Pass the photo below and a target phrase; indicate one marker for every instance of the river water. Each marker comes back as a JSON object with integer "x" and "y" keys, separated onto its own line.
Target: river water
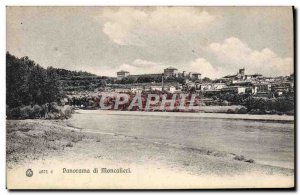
{"x": 267, "y": 142}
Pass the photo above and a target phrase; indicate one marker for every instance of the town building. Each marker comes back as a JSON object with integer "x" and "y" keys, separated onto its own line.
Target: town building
{"x": 122, "y": 90}
{"x": 205, "y": 86}
{"x": 279, "y": 90}
{"x": 253, "y": 76}
{"x": 218, "y": 86}
{"x": 137, "y": 89}
{"x": 242, "y": 76}
{"x": 156, "y": 88}
{"x": 234, "y": 89}
{"x": 171, "y": 89}
{"x": 262, "y": 88}
{"x": 170, "y": 71}
{"x": 122, "y": 74}
{"x": 196, "y": 76}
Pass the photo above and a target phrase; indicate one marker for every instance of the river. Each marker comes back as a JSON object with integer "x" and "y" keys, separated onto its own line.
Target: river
{"x": 267, "y": 142}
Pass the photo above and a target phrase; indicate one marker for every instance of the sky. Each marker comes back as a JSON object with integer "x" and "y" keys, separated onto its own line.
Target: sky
{"x": 213, "y": 41}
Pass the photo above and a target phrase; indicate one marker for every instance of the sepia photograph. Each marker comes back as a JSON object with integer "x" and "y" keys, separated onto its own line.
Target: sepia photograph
{"x": 150, "y": 97}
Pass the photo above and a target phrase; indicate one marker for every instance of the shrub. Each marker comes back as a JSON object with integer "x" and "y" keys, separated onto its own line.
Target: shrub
{"x": 230, "y": 111}
{"x": 239, "y": 158}
{"x": 46, "y": 111}
{"x": 37, "y": 111}
{"x": 280, "y": 104}
{"x": 291, "y": 112}
{"x": 69, "y": 144}
{"x": 50, "y": 116}
{"x": 53, "y": 107}
{"x": 14, "y": 113}
{"x": 68, "y": 111}
{"x": 284, "y": 104}
{"x": 256, "y": 111}
{"x": 242, "y": 111}
{"x": 224, "y": 103}
{"x": 250, "y": 161}
{"x": 26, "y": 112}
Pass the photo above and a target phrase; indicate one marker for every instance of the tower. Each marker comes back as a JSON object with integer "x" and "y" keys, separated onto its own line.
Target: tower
{"x": 162, "y": 82}
{"x": 242, "y": 72}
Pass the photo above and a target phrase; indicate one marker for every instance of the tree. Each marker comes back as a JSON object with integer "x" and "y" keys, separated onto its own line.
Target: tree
{"x": 36, "y": 84}
{"x": 17, "y": 76}
{"x": 206, "y": 80}
{"x": 127, "y": 80}
{"x": 52, "y": 89}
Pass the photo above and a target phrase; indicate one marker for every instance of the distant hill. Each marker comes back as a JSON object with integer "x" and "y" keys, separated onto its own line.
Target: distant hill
{"x": 81, "y": 80}
{"x": 63, "y": 73}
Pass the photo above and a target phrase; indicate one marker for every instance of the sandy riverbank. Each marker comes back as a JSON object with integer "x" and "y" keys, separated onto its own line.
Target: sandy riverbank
{"x": 54, "y": 145}
{"x": 279, "y": 118}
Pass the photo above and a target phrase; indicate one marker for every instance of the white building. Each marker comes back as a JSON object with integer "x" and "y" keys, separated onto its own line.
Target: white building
{"x": 122, "y": 90}
{"x": 196, "y": 75}
{"x": 171, "y": 71}
{"x": 205, "y": 86}
{"x": 262, "y": 88}
{"x": 137, "y": 89}
{"x": 218, "y": 86}
{"x": 172, "y": 89}
{"x": 121, "y": 74}
{"x": 235, "y": 89}
{"x": 156, "y": 88}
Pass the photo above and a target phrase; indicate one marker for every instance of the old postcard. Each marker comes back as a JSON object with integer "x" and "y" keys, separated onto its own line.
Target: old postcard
{"x": 150, "y": 97}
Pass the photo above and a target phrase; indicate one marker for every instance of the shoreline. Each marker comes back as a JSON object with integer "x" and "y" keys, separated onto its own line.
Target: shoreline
{"x": 271, "y": 118}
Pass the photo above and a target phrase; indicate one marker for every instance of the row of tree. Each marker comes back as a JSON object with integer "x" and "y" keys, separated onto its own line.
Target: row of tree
{"x": 282, "y": 104}
{"x": 63, "y": 73}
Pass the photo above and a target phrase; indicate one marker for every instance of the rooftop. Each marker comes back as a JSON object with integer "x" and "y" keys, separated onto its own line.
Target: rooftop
{"x": 124, "y": 71}
{"x": 171, "y": 68}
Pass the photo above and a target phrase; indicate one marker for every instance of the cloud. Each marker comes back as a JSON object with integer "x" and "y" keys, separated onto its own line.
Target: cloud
{"x": 234, "y": 54}
{"x": 145, "y": 63}
{"x": 204, "y": 67}
{"x": 134, "y": 26}
{"x": 121, "y": 24}
{"x": 137, "y": 66}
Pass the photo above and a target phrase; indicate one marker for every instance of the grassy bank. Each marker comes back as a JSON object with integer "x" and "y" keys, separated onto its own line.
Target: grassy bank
{"x": 35, "y": 139}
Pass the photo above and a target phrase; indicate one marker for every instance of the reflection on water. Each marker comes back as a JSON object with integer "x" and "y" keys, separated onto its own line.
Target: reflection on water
{"x": 266, "y": 142}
